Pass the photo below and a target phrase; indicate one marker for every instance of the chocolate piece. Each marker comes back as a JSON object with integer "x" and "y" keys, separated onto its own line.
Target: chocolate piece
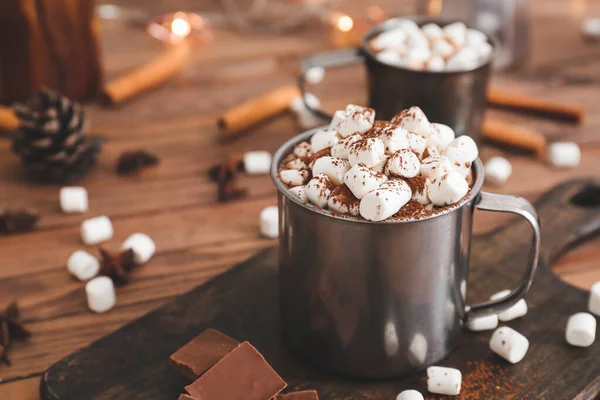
{"x": 202, "y": 352}
{"x": 243, "y": 374}
{"x": 303, "y": 395}
{"x": 186, "y": 397}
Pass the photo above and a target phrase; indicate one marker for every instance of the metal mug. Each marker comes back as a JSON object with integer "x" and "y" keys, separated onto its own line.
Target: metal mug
{"x": 454, "y": 98}
{"x": 382, "y": 299}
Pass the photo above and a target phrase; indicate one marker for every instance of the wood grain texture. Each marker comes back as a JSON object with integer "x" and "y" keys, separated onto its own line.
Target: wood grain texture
{"x": 250, "y": 311}
{"x": 175, "y": 203}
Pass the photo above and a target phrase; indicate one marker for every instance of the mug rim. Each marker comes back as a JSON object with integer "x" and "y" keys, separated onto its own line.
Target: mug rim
{"x": 420, "y": 20}
{"x": 287, "y": 148}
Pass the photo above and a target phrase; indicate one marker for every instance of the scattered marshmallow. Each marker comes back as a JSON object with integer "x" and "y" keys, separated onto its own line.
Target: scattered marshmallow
{"x": 342, "y": 200}
{"x": 353, "y": 119}
{"x": 516, "y": 311}
{"x": 435, "y": 166}
{"x": 257, "y": 162}
{"x": 293, "y": 177}
{"x": 440, "y": 136}
{"x": 509, "y": 344}
{"x": 410, "y": 395}
{"x": 340, "y": 149}
{"x": 403, "y": 163}
{"x": 269, "y": 222}
{"x": 385, "y": 201}
{"x": 564, "y": 154}
{"x": 100, "y": 293}
{"x": 361, "y": 180}
{"x": 334, "y": 168}
{"x": 483, "y": 323}
{"x": 300, "y": 193}
{"x": 581, "y": 330}
{"x": 96, "y": 230}
{"x": 497, "y": 170}
{"x": 315, "y": 75}
{"x": 432, "y": 31}
{"x": 368, "y": 151}
{"x": 83, "y": 265}
{"x": 142, "y": 245}
{"x": 323, "y": 139}
{"x": 394, "y": 138}
{"x": 447, "y": 189}
{"x": 381, "y": 166}
{"x": 417, "y": 143}
{"x": 594, "y": 300}
{"x": 413, "y": 120}
{"x": 74, "y": 199}
{"x": 442, "y": 380}
{"x": 318, "y": 189}
{"x": 456, "y": 33}
{"x": 461, "y": 152}
{"x": 303, "y": 149}
{"x": 590, "y": 27}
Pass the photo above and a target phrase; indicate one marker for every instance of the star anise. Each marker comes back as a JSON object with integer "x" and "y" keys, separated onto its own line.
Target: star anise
{"x": 116, "y": 266}
{"x": 224, "y": 174}
{"x": 130, "y": 162}
{"x": 18, "y": 221}
{"x": 11, "y": 329}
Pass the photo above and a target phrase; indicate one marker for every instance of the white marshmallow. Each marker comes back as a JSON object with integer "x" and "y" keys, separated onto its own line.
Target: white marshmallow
{"x": 594, "y": 299}
{"x": 435, "y": 63}
{"x": 581, "y": 330}
{"x": 340, "y": 149}
{"x": 381, "y": 166}
{"x": 257, "y": 162}
{"x": 447, "y": 189}
{"x": 368, "y": 151}
{"x": 299, "y": 192}
{"x": 516, "y": 311}
{"x": 465, "y": 59}
{"x": 440, "y": 136}
{"x": 410, "y": 395}
{"x": 74, "y": 199}
{"x": 590, "y": 27}
{"x": 318, "y": 189}
{"x": 435, "y": 166}
{"x": 293, "y": 177}
{"x": 100, "y": 293}
{"x": 456, "y": 33}
{"x": 417, "y": 143}
{"x": 361, "y": 180}
{"x": 417, "y": 57}
{"x": 390, "y": 39}
{"x": 342, "y": 200}
{"x": 403, "y": 163}
{"x": 442, "y": 380}
{"x": 269, "y": 222}
{"x": 391, "y": 57}
{"x": 83, "y": 265}
{"x": 334, "y": 168}
{"x": 353, "y": 119}
{"x": 323, "y": 139}
{"x": 509, "y": 344}
{"x": 564, "y": 155}
{"x": 497, "y": 171}
{"x": 483, "y": 323}
{"x": 296, "y": 163}
{"x": 417, "y": 40}
{"x": 315, "y": 75}
{"x": 302, "y": 149}
{"x": 306, "y": 118}
{"x": 394, "y": 138}
{"x": 385, "y": 201}
{"x": 96, "y": 230}
{"x": 413, "y": 120}
{"x": 442, "y": 48}
{"x": 461, "y": 152}
{"x": 432, "y": 31}
{"x": 142, "y": 245}
{"x": 421, "y": 195}
{"x": 475, "y": 37}
{"x": 483, "y": 50}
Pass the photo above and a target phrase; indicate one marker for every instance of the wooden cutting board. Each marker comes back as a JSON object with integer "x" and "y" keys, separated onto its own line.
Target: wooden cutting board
{"x": 132, "y": 363}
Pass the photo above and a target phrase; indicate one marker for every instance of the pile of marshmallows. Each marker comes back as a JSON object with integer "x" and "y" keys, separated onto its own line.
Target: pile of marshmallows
{"x": 431, "y": 47}
{"x": 373, "y": 165}
{"x": 84, "y": 266}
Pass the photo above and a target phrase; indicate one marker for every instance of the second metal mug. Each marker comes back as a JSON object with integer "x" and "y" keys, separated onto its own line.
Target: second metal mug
{"x": 454, "y": 98}
{"x": 382, "y": 299}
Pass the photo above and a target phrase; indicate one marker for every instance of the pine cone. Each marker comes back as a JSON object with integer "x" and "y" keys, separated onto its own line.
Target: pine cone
{"x": 51, "y": 140}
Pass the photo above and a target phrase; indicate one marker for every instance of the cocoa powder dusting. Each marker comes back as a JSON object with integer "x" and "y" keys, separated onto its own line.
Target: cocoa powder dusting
{"x": 309, "y": 160}
{"x": 412, "y": 209}
{"x": 417, "y": 184}
{"x": 344, "y": 196}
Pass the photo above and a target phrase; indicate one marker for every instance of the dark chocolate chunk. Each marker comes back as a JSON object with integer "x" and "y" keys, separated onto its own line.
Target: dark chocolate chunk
{"x": 303, "y": 395}
{"x": 202, "y": 352}
{"x": 243, "y": 374}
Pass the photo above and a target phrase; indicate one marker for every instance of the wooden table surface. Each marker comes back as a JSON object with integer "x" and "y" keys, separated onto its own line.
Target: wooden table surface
{"x": 175, "y": 204}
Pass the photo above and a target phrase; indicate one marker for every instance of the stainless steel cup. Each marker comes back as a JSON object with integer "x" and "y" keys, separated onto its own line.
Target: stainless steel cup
{"x": 382, "y": 299}
{"x": 454, "y": 98}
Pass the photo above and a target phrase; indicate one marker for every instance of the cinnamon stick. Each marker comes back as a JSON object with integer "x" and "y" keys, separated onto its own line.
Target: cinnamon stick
{"x": 235, "y": 121}
{"x": 513, "y": 135}
{"x": 8, "y": 119}
{"x": 503, "y": 98}
{"x": 147, "y": 76}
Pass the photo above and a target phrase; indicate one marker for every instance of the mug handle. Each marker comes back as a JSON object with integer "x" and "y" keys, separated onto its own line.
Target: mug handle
{"x": 520, "y": 206}
{"x": 336, "y": 58}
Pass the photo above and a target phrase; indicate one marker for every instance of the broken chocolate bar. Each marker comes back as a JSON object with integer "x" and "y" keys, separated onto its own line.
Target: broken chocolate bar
{"x": 302, "y": 395}
{"x": 202, "y": 352}
{"x": 243, "y": 374}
